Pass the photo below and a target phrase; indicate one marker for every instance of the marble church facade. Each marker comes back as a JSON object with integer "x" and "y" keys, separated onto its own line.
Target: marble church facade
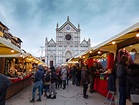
{"x": 66, "y": 46}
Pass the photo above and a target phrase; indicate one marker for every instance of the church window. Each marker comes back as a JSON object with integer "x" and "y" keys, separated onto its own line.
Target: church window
{"x": 60, "y": 34}
{"x": 60, "y": 39}
{"x": 60, "y": 52}
{"x": 68, "y": 37}
{"x": 75, "y": 35}
{"x": 48, "y": 52}
{"x": 60, "y": 48}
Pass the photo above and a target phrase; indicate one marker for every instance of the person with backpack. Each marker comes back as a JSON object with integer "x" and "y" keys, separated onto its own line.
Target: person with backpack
{"x": 47, "y": 81}
{"x": 52, "y": 86}
{"x": 38, "y": 81}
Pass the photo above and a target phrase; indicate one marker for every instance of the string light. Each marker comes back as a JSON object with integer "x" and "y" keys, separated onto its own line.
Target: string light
{"x": 113, "y": 42}
{"x": 21, "y": 55}
{"x": 12, "y": 51}
{"x": 137, "y": 35}
{"x": 99, "y": 52}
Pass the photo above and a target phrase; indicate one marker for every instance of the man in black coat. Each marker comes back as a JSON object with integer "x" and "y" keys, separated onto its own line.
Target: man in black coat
{"x": 121, "y": 76}
{"x": 85, "y": 81}
{"x": 4, "y": 84}
{"x": 92, "y": 72}
{"x": 132, "y": 83}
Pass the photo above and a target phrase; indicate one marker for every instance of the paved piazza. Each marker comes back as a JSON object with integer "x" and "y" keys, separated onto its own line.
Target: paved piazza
{"x": 72, "y": 95}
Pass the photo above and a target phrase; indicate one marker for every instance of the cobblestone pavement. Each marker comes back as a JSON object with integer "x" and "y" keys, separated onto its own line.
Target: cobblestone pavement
{"x": 72, "y": 95}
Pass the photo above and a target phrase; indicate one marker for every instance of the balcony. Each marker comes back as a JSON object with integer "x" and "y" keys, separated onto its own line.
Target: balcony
{"x": 6, "y": 36}
{"x": 13, "y": 41}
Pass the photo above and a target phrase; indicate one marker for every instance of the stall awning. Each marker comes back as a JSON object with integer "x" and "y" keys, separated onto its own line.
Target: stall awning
{"x": 123, "y": 39}
{"x": 7, "y": 48}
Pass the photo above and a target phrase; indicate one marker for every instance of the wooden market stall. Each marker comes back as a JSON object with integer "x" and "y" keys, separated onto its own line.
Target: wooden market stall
{"x": 15, "y": 63}
{"x": 9, "y": 54}
{"x": 19, "y": 71}
{"x": 127, "y": 39}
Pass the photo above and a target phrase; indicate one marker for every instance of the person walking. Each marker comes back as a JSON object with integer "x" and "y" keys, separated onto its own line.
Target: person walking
{"x": 92, "y": 71}
{"x": 44, "y": 81}
{"x": 38, "y": 83}
{"x": 4, "y": 84}
{"x": 64, "y": 76}
{"x": 85, "y": 81}
{"x": 78, "y": 77}
{"x": 121, "y": 75}
{"x": 47, "y": 81}
{"x": 58, "y": 79}
{"x": 132, "y": 84}
{"x": 73, "y": 74}
{"x": 52, "y": 87}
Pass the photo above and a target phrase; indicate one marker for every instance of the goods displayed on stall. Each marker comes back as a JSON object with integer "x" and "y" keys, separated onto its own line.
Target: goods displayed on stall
{"x": 122, "y": 52}
{"x": 18, "y": 68}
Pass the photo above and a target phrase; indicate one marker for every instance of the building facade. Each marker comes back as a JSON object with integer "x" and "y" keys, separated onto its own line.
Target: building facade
{"x": 66, "y": 46}
{"x": 4, "y": 33}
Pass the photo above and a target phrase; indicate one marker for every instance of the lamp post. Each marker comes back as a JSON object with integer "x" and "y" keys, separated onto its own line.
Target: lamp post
{"x": 55, "y": 59}
{"x": 41, "y": 52}
{"x": 46, "y": 59}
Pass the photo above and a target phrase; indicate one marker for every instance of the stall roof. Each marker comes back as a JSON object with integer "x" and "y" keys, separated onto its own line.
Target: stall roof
{"x": 38, "y": 60}
{"x": 6, "y": 46}
{"x": 123, "y": 39}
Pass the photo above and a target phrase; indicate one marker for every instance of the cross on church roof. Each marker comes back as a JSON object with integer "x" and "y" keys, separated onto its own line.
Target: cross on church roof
{"x": 67, "y": 18}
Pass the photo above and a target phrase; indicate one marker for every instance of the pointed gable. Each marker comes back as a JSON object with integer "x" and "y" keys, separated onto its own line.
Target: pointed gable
{"x": 84, "y": 43}
{"x": 51, "y": 43}
{"x": 67, "y": 27}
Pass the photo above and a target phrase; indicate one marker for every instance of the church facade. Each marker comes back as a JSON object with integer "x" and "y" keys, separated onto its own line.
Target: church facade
{"x": 66, "y": 46}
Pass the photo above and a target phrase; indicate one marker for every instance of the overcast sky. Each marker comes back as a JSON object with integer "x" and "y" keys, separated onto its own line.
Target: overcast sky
{"x": 34, "y": 20}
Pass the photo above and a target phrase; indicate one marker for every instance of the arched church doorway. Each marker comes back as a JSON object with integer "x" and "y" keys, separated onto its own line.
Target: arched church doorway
{"x": 68, "y": 55}
{"x": 51, "y": 61}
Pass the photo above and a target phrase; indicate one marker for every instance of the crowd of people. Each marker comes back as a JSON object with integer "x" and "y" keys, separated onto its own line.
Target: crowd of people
{"x": 47, "y": 80}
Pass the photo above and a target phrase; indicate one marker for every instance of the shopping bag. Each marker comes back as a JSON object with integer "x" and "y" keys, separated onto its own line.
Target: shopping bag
{"x": 134, "y": 94}
{"x": 102, "y": 76}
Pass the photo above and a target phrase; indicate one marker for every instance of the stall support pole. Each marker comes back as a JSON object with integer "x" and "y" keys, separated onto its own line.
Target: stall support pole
{"x": 2, "y": 64}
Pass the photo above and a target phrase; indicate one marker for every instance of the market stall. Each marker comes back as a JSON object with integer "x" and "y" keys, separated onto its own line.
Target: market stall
{"x": 19, "y": 70}
{"x": 15, "y": 63}
{"x": 100, "y": 84}
{"x": 127, "y": 39}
